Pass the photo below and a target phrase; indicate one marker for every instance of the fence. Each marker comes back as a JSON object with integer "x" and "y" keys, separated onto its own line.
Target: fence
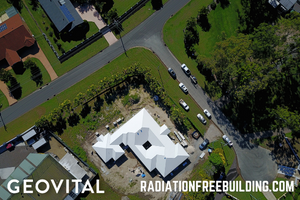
{"x": 97, "y": 35}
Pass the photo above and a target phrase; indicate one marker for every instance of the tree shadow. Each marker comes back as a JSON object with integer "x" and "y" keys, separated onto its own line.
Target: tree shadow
{"x": 19, "y": 68}
{"x": 204, "y": 24}
{"x": 254, "y": 13}
{"x": 36, "y": 75}
{"x": 73, "y": 119}
{"x": 60, "y": 125}
{"x": 18, "y": 4}
{"x": 34, "y": 4}
{"x": 15, "y": 88}
{"x": 156, "y": 4}
{"x": 98, "y": 104}
{"x": 85, "y": 110}
{"x": 224, "y": 3}
{"x": 77, "y": 34}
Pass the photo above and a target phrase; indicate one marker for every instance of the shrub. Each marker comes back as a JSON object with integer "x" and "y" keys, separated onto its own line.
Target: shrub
{"x": 50, "y": 33}
{"x": 47, "y": 28}
{"x": 55, "y": 40}
{"x": 131, "y": 99}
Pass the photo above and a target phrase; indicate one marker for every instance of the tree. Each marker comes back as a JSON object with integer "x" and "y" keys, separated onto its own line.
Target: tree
{"x": 29, "y": 64}
{"x": 286, "y": 118}
{"x": 5, "y": 75}
{"x": 112, "y": 15}
{"x": 216, "y": 160}
{"x": 42, "y": 123}
{"x": 66, "y": 105}
{"x": 79, "y": 99}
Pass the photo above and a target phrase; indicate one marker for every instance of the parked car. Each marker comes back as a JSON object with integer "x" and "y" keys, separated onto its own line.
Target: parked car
{"x": 183, "y": 88}
{"x": 207, "y": 113}
{"x": 172, "y": 73}
{"x": 226, "y": 139}
{"x": 193, "y": 79}
{"x": 203, "y": 145}
{"x": 201, "y": 118}
{"x": 186, "y": 69}
{"x": 221, "y": 177}
{"x": 184, "y": 105}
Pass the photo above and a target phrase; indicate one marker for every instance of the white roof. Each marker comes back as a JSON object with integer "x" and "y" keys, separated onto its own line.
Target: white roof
{"x": 39, "y": 143}
{"x": 28, "y": 135}
{"x": 163, "y": 155}
{"x": 70, "y": 164}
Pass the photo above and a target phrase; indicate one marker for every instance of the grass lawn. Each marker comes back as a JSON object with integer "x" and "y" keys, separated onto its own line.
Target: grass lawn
{"x": 44, "y": 23}
{"x": 220, "y": 20}
{"x": 246, "y": 195}
{"x": 229, "y": 152}
{"x": 3, "y": 101}
{"x": 138, "y": 17}
{"x": 278, "y": 194}
{"x": 122, "y": 6}
{"x": 4, "y": 5}
{"x": 28, "y": 85}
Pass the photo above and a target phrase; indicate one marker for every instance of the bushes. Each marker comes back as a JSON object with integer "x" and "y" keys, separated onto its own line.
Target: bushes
{"x": 131, "y": 99}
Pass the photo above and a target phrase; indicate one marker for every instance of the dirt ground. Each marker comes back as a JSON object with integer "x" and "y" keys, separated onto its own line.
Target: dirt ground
{"x": 125, "y": 174}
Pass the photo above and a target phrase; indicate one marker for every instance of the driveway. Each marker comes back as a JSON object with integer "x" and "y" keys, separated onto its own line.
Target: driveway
{"x": 89, "y": 13}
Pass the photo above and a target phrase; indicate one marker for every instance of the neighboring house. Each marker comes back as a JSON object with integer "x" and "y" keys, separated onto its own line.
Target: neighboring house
{"x": 283, "y": 5}
{"x": 62, "y": 13}
{"x": 149, "y": 142}
{"x": 40, "y": 166}
{"x": 14, "y": 35}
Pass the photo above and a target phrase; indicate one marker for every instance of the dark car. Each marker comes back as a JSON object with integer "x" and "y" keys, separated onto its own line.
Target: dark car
{"x": 193, "y": 79}
{"x": 203, "y": 144}
{"x": 171, "y": 71}
{"x": 221, "y": 177}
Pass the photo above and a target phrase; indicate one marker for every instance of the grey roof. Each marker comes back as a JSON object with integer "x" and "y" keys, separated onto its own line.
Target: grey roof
{"x": 61, "y": 13}
{"x": 39, "y": 143}
{"x": 12, "y": 11}
{"x": 296, "y": 7}
{"x": 28, "y": 135}
{"x": 288, "y": 4}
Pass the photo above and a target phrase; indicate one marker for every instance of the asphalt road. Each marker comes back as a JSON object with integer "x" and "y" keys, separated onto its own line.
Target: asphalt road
{"x": 255, "y": 162}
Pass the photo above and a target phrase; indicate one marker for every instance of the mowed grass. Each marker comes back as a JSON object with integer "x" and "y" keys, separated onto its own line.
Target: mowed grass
{"x": 4, "y": 5}
{"x": 44, "y": 23}
{"x": 138, "y": 17}
{"x": 136, "y": 55}
{"x": 124, "y": 5}
{"x": 3, "y": 101}
{"x": 28, "y": 85}
{"x": 220, "y": 20}
{"x": 247, "y": 195}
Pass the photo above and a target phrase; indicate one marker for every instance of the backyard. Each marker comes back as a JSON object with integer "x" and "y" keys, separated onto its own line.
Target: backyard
{"x": 221, "y": 19}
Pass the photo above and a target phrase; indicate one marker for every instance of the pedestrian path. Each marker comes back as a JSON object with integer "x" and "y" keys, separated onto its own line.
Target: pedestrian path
{"x": 89, "y": 13}
{"x": 269, "y": 195}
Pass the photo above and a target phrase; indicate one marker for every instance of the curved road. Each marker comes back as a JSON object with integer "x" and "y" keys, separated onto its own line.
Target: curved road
{"x": 255, "y": 162}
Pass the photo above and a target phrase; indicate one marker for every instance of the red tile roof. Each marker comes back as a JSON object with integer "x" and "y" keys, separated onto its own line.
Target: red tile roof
{"x": 12, "y": 39}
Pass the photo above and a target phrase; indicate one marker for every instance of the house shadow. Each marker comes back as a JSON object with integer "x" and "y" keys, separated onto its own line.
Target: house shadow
{"x": 32, "y": 50}
{"x": 118, "y": 162}
{"x": 177, "y": 170}
{"x": 19, "y": 68}
{"x": 3, "y": 64}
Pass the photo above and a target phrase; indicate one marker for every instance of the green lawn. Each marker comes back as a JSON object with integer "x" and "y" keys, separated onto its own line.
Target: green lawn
{"x": 220, "y": 20}
{"x": 4, "y": 6}
{"x": 278, "y": 194}
{"x": 44, "y": 23}
{"x": 246, "y": 195}
{"x": 28, "y": 85}
{"x": 123, "y": 5}
{"x": 3, "y": 101}
{"x": 229, "y": 152}
{"x": 138, "y": 17}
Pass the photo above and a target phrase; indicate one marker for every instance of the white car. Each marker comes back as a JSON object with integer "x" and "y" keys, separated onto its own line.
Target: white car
{"x": 186, "y": 69}
{"x": 184, "y": 105}
{"x": 207, "y": 113}
{"x": 226, "y": 139}
{"x": 201, "y": 118}
{"x": 183, "y": 88}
